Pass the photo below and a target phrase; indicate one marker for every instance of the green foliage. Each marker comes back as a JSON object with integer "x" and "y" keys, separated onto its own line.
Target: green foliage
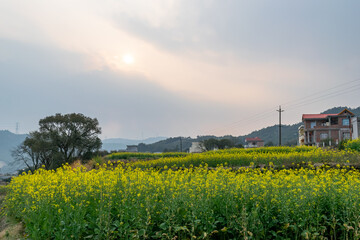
{"x": 3, "y": 189}
{"x": 98, "y": 160}
{"x": 342, "y": 144}
{"x": 353, "y": 145}
{"x": 212, "y": 143}
{"x": 61, "y": 139}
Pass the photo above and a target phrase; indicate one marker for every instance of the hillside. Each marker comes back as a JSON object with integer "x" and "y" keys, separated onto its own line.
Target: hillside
{"x": 269, "y": 134}
{"x": 9, "y": 141}
{"x": 113, "y": 144}
{"x": 356, "y": 111}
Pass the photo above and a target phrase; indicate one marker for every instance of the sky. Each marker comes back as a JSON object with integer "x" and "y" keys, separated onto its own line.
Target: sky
{"x": 177, "y": 67}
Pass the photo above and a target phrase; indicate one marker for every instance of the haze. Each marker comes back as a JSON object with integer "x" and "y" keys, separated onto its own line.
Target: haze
{"x": 170, "y": 68}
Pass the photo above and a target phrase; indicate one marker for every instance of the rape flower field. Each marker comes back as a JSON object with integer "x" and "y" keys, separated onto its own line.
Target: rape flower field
{"x": 256, "y": 156}
{"x": 138, "y": 155}
{"x": 127, "y": 202}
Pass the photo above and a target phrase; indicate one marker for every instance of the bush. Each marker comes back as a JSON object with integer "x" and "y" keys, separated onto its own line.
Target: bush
{"x": 3, "y": 189}
{"x": 342, "y": 144}
{"x": 353, "y": 145}
{"x": 98, "y": 160}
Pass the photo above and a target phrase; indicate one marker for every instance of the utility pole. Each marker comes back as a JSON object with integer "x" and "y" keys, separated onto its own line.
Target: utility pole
{"x": 280, "y": 111}
{"x": 17, "y": 128}
{"x": 180, "y": 144}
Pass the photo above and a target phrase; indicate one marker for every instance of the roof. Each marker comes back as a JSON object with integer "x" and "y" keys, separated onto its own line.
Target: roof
{"x": 256, "y": 139}
{"x": 346, "y": 111}
{"x": 324, "y": 116}
{"x": 317, "y": 116}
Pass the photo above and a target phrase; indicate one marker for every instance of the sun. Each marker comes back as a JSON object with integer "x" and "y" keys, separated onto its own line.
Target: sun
{"x": 128, "y": 59}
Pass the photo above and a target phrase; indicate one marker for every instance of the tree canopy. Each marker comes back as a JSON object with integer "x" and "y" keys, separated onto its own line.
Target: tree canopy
{"x": 213, "y": 143}
{"x": 60, "y": 139}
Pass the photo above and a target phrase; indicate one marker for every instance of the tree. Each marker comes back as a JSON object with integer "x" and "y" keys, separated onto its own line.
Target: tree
{"x": 239, "y": 145}
{"x": 213, "y": 143}
{"x": 210, "y": 144}
{"x": 225, "y": 143}
{"x": 60, "y": 139}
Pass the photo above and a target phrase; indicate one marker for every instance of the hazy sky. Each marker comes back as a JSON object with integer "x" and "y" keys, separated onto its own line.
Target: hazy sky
{"x": 169, "y": 68}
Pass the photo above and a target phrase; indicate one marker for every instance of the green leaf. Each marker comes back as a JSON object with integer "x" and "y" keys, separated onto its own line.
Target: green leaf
{"x": 163, "y": 226}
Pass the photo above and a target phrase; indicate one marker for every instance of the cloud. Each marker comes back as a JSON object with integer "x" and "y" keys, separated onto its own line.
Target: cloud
{"x": 198, "y": 64}
{"x": 37, "y": 82}
{"x": 257, "y": 30}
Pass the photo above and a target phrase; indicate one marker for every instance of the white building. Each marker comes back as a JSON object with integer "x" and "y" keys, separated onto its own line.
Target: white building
{"x": 355, "y": 122}
{"x": 131, "y": 148}
{"x": 196, "y": 147}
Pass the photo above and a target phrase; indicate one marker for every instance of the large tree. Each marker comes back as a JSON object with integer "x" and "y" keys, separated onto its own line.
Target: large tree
{"x": 60, "y": 139}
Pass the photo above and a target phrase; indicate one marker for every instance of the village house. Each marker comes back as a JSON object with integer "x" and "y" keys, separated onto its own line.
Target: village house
{"x": 253, "y": 142}
{"x": 131, "y": 148}
{"x": 328, "y": 129}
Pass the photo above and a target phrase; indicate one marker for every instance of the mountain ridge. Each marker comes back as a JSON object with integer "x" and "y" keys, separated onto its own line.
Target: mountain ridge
{"x": 269, "y": 134}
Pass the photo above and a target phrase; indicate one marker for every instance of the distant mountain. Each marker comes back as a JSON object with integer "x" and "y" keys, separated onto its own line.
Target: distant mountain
{"x": 9, "y": 141}
{"x": 113, "y": 144}
{"x": 356, "y": 111}
{"x": 270, "y": 135}
{"x": 289, "y": 134}
{"x": 173, "y": 144}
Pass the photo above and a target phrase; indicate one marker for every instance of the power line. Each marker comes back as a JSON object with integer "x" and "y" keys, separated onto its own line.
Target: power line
{"x": 324, "y": 96}
{"x": 252, "y": 117}
{"x": 322, "y": 91}
{"x": 297, "y": 103}
{"x": 258, "y": 117}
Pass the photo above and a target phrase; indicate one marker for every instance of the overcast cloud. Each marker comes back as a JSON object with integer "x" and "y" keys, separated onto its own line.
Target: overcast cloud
{"x": 198, "y": 65}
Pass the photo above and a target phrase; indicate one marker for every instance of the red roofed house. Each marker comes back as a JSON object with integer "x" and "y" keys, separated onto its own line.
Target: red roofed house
{"x": 333, "y": 128}
{"x": 254, "y": 142}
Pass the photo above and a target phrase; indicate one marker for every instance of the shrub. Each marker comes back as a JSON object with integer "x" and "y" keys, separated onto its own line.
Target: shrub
{"x": 342, "y": 144}
{"x": 353, "y": 145}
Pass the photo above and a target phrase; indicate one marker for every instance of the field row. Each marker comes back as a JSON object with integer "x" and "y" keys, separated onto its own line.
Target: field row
{"x": 278, "y": 156}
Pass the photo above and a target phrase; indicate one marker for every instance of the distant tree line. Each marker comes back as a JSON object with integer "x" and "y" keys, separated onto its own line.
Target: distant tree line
{"x": 212, "y": 143}
{"x": 60, "y": 139}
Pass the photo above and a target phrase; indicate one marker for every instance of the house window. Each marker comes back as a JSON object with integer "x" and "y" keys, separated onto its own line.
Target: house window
{"x": 323, "y": 136}
{"x": 345, "y": 122}
{"x": 346, "y": 135}
{"x": 334, "y": 121}
{"x": 312, "y": 124}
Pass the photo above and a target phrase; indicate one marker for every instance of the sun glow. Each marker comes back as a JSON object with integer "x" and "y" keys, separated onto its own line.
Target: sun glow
{"x": 128, "y": 59}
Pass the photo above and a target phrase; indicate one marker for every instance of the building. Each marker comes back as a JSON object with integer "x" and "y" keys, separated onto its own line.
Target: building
{"x": 355, "y": 122}
{"x": 301, "y": 131}
{"x": 131, "y": 148}
{"x": 196, "y": 147}
{"x": 253, "y": 142}
{"x": 329, "y": 129}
